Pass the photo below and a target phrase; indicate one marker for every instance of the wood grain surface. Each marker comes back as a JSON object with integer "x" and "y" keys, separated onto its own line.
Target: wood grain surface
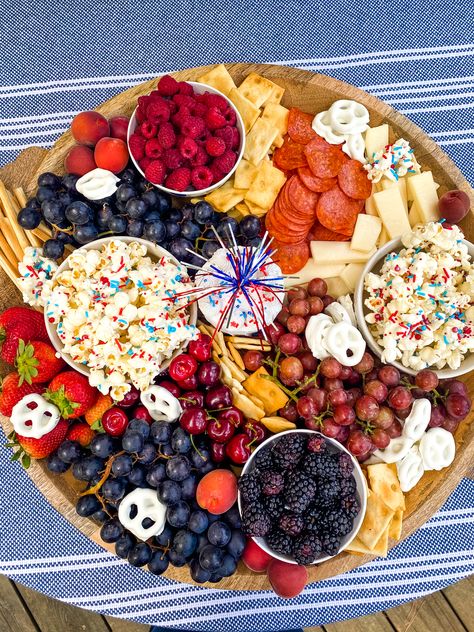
{"x": 312, "y": 93}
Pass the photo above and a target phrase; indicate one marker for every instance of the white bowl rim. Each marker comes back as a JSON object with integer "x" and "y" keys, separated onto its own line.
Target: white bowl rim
{"x": 396, "y": 244}
{"x": 156, "y": 251}
{"x": 200, "y": 192}
{"x": 361, "y": 492}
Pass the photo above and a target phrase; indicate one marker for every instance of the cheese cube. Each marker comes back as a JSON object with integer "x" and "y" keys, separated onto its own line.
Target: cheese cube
{"x": 312, "y": 270}
{"x": 366, "y": 232}
{"x": 351, "y": 275}
{"x": 401, "y": 184}
{"x": 375, "y": 139}
{"x": 325, "y": 252}
{"x": 337, "y": 287}
{"x": 422, "y": 190}
{"x": 391, "y": 210}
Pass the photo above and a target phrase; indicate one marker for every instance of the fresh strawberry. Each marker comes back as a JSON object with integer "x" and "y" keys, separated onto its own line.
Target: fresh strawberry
{"x": 20, "y": 323}
{"x": 36, "y": 361}
{"x": 80, "y": 432}
{"x": 72, "y": 394}
{"x": 94, "y": 415}
{"x": 38, "y": 448}
{"x": 12, "y": 392}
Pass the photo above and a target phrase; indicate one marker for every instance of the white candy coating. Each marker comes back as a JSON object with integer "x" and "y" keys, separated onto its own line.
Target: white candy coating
{"x": 410, "y": 469}
{"x": 417, "y": 421}
{"x": 345, "y": 343}
{"x": 338, "y": 313}
{"x": 316, "y": 331}
{"x": 348, "y": 117}
{"x": 347, "y": 303}
{"x": 161, "y": 404}
{"x": 354, "y": 147}
{"x": 397, "y": 449}
{"x": 323, "y": 128}
{"x": 148, "y": 506}
{"x": 437, "y": 448}
{"x": 34, "y": 417}
{"x": 97, "y": 184}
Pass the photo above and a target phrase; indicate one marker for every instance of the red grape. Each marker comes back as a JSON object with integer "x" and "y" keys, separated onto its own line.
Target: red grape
{"x": 403, "y": 413}
{"x": 289, "y": 343}
{"x": 371, "y": 375}
{"x": 451, "y": 424}
{"x": 275, "y": 331}
{"x": 344, "y": 415}
{"x": 332, "y": 383}
{"x": 454, "y": 206}
{"x": 308, "y": 361}
{"x": 291, "y": 371}
{"x": 395, "y": 430}
{"x": 343, "y": 434}
{"x": 438, "y": 415}
{"x": 330, "y": 428}
{"x": 306, "y": 407}
{"x": 456, "y": 386}
{"x": 283, "y": 316}
{"x": 319, "y": 396}
{"x": 312, "y": 424}
{"x": 253, "y": 360}
{"x": 330, "y": 367}
{"x": 389, "y": 375}
{"x": 400, "y": 398}
{"x": 296, "y": 292}
{"x": 380, "y": 438}
{"x": 377, "y": 390}
{"x": 317, "y": 287}
{"x": 367, "y": 408}
{"x": 337, "y": 397}
{"x": 366, "y": 364}
{"x": 353, "y": 395}
{"x": 289, "y": 411}
{"x": 358, "y": 443}
{"x": 299, "y": 307}
{"x": 385, "y": 418}
{"x": 346, "y": 372}
{"x": 316, "y": 305}
{"x": 296, "y": 324}
{"x": 354, "y": 378}
{"x": 327, "y": 300}
{"x": 426, "y": 380}
{"x": 457, "y": 406}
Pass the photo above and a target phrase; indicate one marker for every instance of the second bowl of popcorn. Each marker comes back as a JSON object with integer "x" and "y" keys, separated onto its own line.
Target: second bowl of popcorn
{"x": 113, "y": 313}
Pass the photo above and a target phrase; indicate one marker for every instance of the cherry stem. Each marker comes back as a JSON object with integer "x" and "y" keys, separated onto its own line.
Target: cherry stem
{"x": 194, "y": 446}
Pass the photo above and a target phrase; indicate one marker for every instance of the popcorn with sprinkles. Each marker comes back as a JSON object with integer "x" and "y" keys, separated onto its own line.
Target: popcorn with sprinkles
{"x": 36, "y": 272}
{"x": 392, "y": 162}
{"x": 422, "y": 301}
{"x": 114, "y": 313}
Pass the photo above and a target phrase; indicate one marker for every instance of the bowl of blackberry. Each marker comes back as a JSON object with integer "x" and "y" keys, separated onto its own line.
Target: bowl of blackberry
{"x": 302, "y": 497}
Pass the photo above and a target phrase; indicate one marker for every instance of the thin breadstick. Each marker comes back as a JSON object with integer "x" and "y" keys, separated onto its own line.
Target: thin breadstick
{"x": 4, "y": 263}
{"x": 9, "y": 234}
{"x": 14, "y": 202}
{"x": 20, "y": 196}
{"x": 245, "y": 347}
{"x": 236, "y": 356}
{"x": 244, "y": 339}
{"x": 215, "y": 357}
{"x": 33, "y": 239}
{"x": 8, "y": 252}
{"x": 41, "y": 233}
{"x": 220, "y": 338}
{"x": 10, "y": 212}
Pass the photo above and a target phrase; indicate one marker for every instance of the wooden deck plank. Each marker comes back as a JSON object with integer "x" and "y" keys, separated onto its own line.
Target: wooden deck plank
{"x": 55, "y": 616}
{"x": 377, "y": 622}
{"x": 430, "y": 614}
{"x": 14, "y": 617}
{"x": 460, "y": 598}
{"x": 121, "y": 625}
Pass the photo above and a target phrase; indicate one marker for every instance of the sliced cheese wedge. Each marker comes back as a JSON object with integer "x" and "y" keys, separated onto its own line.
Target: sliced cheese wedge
{"x": 325, "y": 252}
{"x": 337, "y": 287}
{"x": 313, "y": 270}
{"x": 351, "y": 274}
{"x": 422, "y": 190}
{"x": 401, "y": 184}
{"x": 383, "y": 237}
{"x": 376, "y": 138}
{"x": 391, "y": 210}
{"x": 366, "y": 232}
{"x": 414, "y": 215}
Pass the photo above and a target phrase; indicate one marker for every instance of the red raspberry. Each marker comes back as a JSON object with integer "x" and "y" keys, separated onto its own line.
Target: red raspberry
{"x": 215, "y": 146}
{"x": 215, "y": 119}
{"x": 235, "y": 138}
{"x": 158, "y": 112}
{"x": 184, "y": 99}
{"x": 187, "y": 147}
{"x": 199, "y": 109}
{"x": 167, "y": 136}
{"x": 226, "y": 134}
{"x": 153, "y": 148}
{"x": 144, "y": 162}
{"x": 148, "y": 129}
{"x": 230, "y": 116}
{"x": 137, "y": 146}
{"x": 140, "y": 115}
{"x": 185, "y": 88}
{"x": 215, "y": 101}
{"x": 226, "y": 161}
{"x": 179, "y": 179}
{"x": 200, "y": 158}
{"x": 192, "y": 127}
{"x": 168, "y": 85}
{"x": 201, "y": 178}
{"x": 144, "y": 102}
{"x": 173, "y": 159}
{"x": 217, "y": 174}
{"x": 155, "y": 171}
{"x": 181, "y": 115}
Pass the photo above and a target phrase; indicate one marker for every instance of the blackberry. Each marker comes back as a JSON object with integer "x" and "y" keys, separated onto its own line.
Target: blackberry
{"x": 320, "y": 465}
{"x": 337, "y": 522}
{"x": 263, "y": 459}
{"x": 330, "y": 543}
{"x": 273, "y": 506}
{"x": 328, "y": 493}
{"x": 346, "y": 466}
{"x": 255, "y": 521}
{"x": 249, "y": 488}
{"x": 348, "y": 486}
{"x": 291, "y": 524}
{"x": 316, "y": 444}
{"x": 351, "y": 506}
{"x": 288, "y": 450}
{"x": 272, "y": 482}
{"x": 313, "y": 518}
{"x": 300, "y": 491}
{"x": 280, "y": 542}
{"x": 307, "y": 548}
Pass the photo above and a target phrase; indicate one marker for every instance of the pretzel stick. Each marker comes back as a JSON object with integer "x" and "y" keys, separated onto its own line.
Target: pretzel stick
{"x": 9, "y": 234}
{"x": 236, "y": 356}
{"x": 17, "y": 202}
{"x": 5, "y": 264}
{"x": 9, "y": 211}
{"x": 20, "y": 196}
{"x": 6, "y": 249}
{"x": 41, "y": 232}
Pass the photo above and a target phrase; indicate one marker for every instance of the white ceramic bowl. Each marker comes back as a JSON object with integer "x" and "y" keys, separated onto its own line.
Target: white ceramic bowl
{"x": 361, "y": 493}
{"x": 155, "y": 252}
{"x": 199, "y": 88}
{"x": 373, "y": 265}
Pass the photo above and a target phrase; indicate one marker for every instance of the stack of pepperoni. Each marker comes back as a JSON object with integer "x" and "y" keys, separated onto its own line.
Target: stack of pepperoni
{"x": 322, "y": 197}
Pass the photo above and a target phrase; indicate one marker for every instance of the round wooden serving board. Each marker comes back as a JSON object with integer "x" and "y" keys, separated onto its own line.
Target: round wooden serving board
{"x": 312, "y": 93}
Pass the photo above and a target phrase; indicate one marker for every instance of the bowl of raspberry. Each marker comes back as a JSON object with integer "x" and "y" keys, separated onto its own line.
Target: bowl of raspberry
{"x": 302, "y": 497}
{"x": 186, "y": 138}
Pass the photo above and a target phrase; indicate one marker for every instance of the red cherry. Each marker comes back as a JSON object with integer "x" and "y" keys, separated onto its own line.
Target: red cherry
{"x": 194, "y": 420}
{"x": 200, "y": 348}
{"x": 115, "y": 421}
{"x": 182, "y": 367}
{"x": 192, "y": 399}
{"x": 217, "y": 452}
{"x": 130, "y": 398}
{"x": 232, "y": 414}
{"x": 218, "y": 397}
{"x": 238, "y": 449}
{"x": 189, "y": 384}
{"x": 140, "y": 412}
{"x": 171, "y": 387}
{"x": 254, "y": 430}
{"x": 220, "y": 430}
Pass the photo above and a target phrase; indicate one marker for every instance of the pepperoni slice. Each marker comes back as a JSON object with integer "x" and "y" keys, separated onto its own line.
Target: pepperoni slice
{"x": 337, "y": 212}
{"x": 293, "y": 221}
{"x": 290, "y": 155}
{"x": 321, "y": 233}
{"x": 302, "y": 198}
{"x": 318, "y": 185}
{"x": 283, "y": 233}
{"x": 352, "y": 179}
{"x": 299, "y": 126}
{"x": 326, "y": 162}
{"x": 291, "y": 258}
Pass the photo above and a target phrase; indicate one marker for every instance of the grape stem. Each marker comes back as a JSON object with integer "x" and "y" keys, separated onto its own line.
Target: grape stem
{"x": 313, "y": 378}
{"x": 95, "y": 488}
{"x": 280, "y": 385}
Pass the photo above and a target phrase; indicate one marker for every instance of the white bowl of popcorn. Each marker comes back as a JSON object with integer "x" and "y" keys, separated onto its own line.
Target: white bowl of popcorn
{"x": 111, "y": 314}
{"x": 414, "y": 302}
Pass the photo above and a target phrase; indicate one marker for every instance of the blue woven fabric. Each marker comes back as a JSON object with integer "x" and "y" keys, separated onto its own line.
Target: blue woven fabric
{"x": 61, "y": 58}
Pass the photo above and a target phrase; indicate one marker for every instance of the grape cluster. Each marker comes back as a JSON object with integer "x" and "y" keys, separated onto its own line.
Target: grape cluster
{"x": 137, "y": 209}
{"x": 161, "y": 456}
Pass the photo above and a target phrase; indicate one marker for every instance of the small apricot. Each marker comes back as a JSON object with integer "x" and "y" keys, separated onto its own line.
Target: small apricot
{"x": 79, "y": 160}
{"x": 89, "y": 127}
{"x": 111, "y": 154}
{"x": 217, "y": 491}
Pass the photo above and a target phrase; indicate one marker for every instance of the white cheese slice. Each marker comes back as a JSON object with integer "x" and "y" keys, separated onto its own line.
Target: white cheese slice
{"x": 401, "y": 184}
{"x": 336, "y": 287}
{"x": 366, "y": 232}
{"x": 383, "y": 237}
{"x": 351, "y": 274}
{"x": 422, "y": 190}
{"x": 313, "y": 270}
{"x": 337, "y": 252}
{"x": 414, "y": 215}
{"x": 370, "y": 207}
{"x": 376, "y": 138}
{"x": 391, "y": 210}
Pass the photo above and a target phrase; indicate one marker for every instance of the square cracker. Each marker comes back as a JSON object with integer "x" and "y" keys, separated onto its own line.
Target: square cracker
{"x": 278, "y": 115}
{"x": 276, "y": 95}
{"x": 244, "y": 174}
{"x": 384, "y": 482}
{"x": 218, "y": 78}
{"x": 395, "y": 528}
{"x": 381, "y": 547}
{"x": 376, "y": 521}
{"x": 255, "y": 209}
{"x": 247, "y": 110}
{"x": 278, "y": 142}
{"x": 265, "y": 186}
{"x": 225, "y": 197}
{"x": 259, "y": 140}
{"x": 242, "y": 208}
{"x": 256, "y": 88}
